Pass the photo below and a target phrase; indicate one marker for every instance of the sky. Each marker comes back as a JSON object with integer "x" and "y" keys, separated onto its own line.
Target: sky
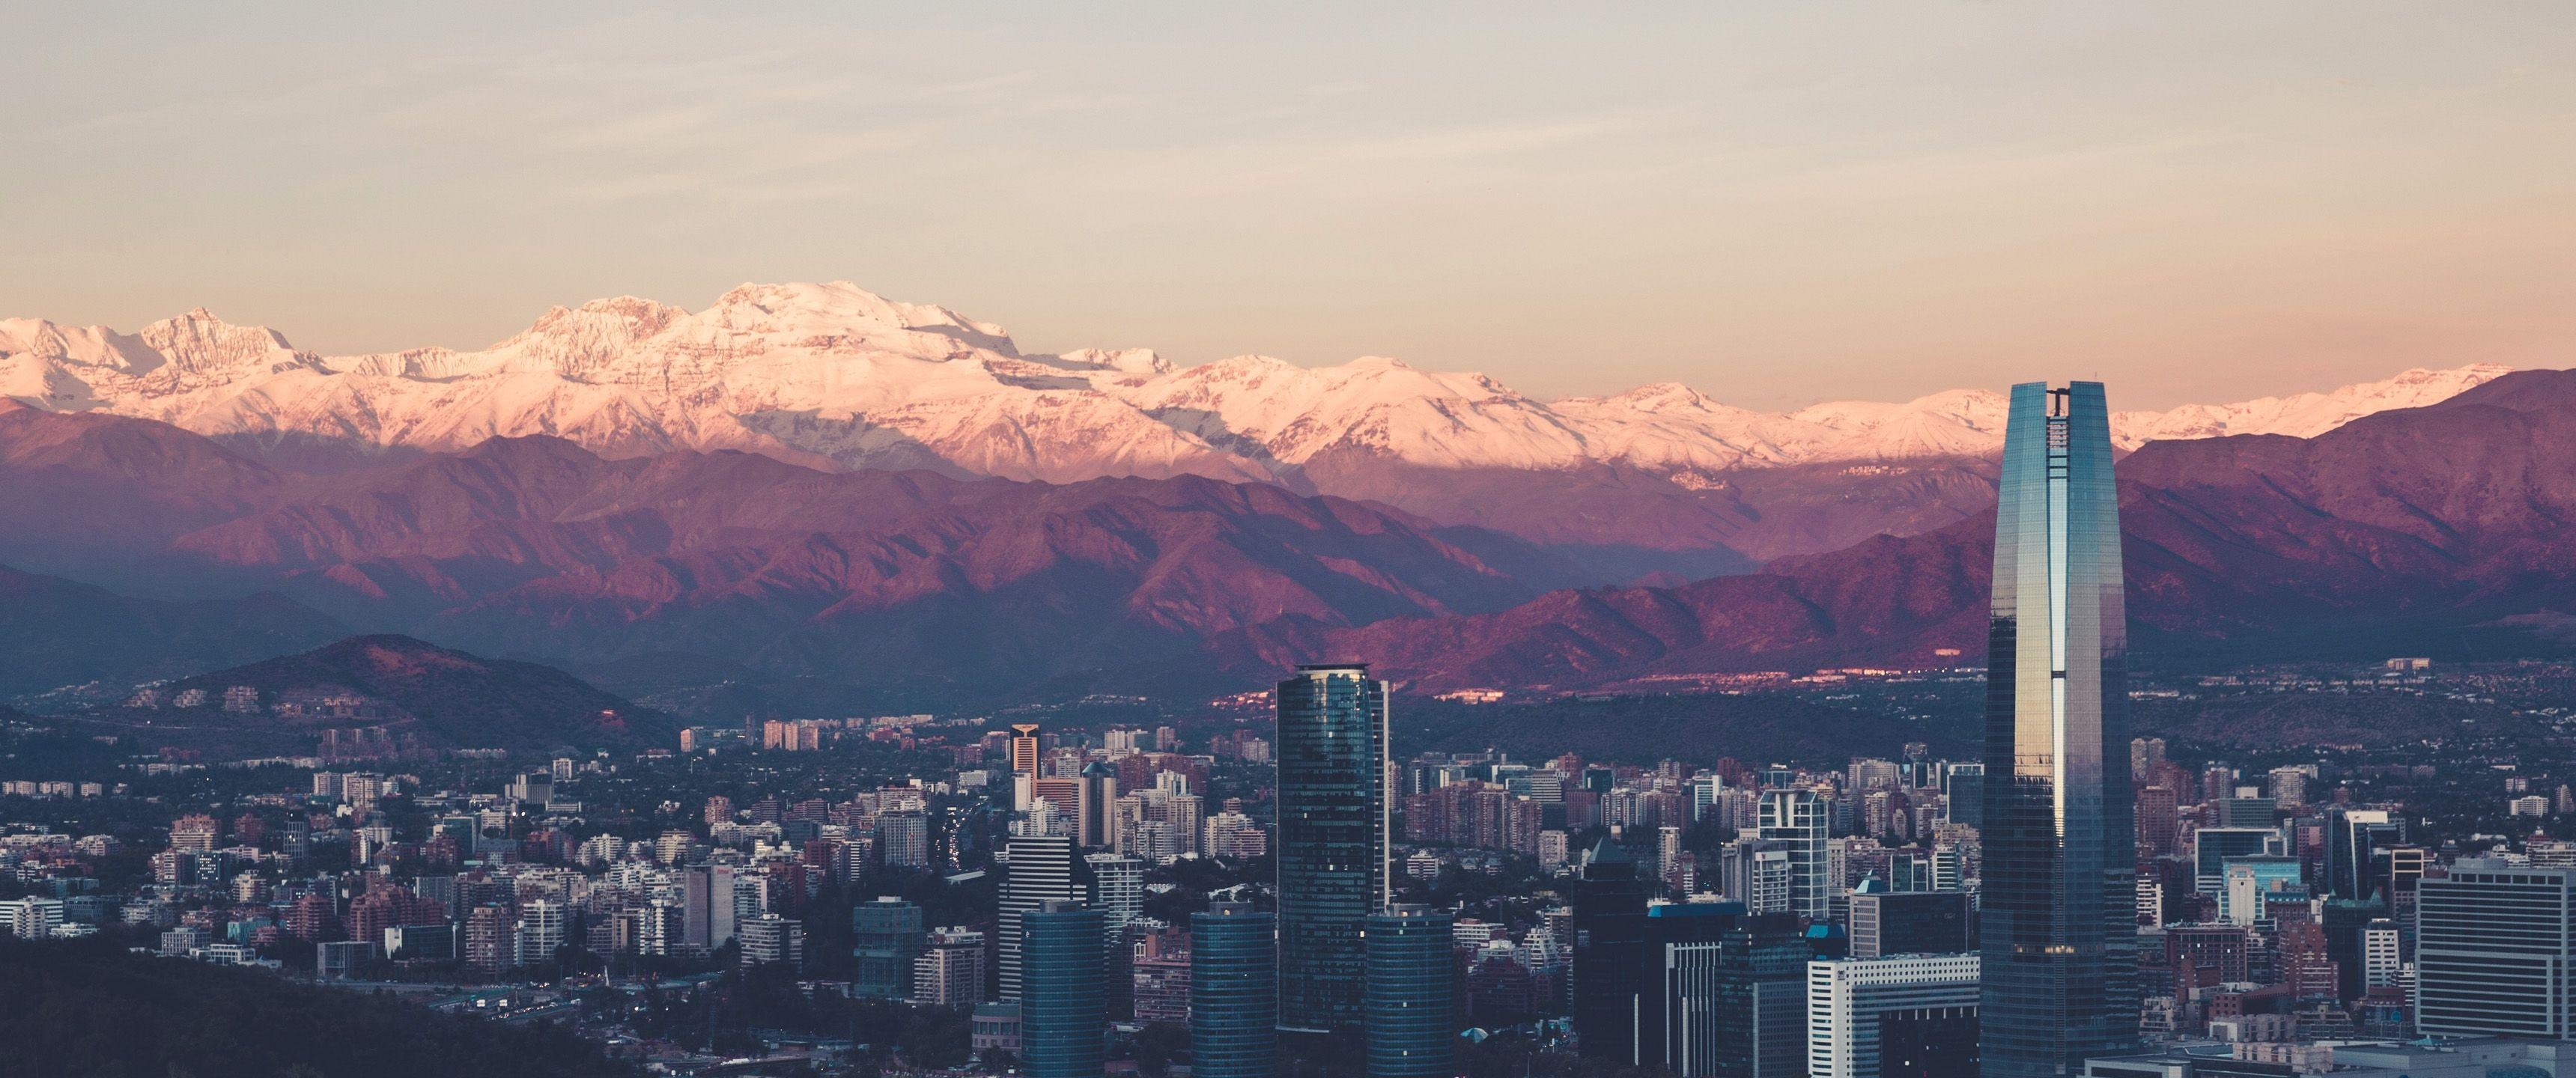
{"x": 1776, "y": 204}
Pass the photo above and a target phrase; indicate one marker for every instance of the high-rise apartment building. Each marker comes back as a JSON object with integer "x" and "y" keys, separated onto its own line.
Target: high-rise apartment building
{"x": 1800, "y": 821}
{"x": 1333, "y": 824}
{"x": 949, "y": 972}
{"x": 770, "y": 939}
{"x": 1234, "y": 992}
{"x": 2059, "y": 894}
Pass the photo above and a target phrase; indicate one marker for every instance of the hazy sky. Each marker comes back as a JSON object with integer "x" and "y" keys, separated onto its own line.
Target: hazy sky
{"x": 1775, "y": 203}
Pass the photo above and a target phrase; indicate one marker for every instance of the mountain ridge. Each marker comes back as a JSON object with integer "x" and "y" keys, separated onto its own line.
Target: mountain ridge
{"x": 831, "y": 372}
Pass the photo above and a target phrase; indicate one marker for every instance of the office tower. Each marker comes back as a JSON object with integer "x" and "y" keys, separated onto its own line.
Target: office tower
{"x": 949, "y": 972}
{"x": 2212, "y": 848}
{"x": 1064, "y": 1012}
{"x": 1024, "y": 764}
{"x": 2245, "y": 812}
{"x": 1910, "y": 922}
{"x": 885, "y": 939}
{"x": 1675, "y": 1024}
{"x": 769, "y": 939}
{"x": 1757, "y": 1001}
{"x": 2059, "y": 898}
{"x": 1095, "y": 800}
{"x": 1234, "y": 992}
{"x": 2355, "y": 839}
{"x": 1963, "y": 792}
{"x": 1901, "y": 1015}
{"x": 1041, "y": 871}
{"x": 1333, "y": 820}
{"x": 1610, "y": 955}
{"x": 2381, "y": 955}
{"x": 2495, "y": 946}
{"x": 1410, "y": 1030}
{"x": 1800, "y": 822}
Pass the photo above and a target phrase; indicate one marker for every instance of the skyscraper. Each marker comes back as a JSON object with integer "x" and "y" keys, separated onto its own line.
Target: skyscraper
{"x": 1041, "y": 871}
{"x": 1064, "y": 1012}
{"x": 1410, "y": 1030}
{"x": 886, "y": 937}
{"x": 1610, "y": 959}
{"x": 1095, "y": 796}
{"x": 1798, "y": 820}
{"x": 1921, "y": 1006}
{"x": 1234, "y": 992}
{"x": 2059, "y": 894}
{"x": 2494, "y": 949}
{"x": 1024, "y": 763}
{"x": 1333, "y": 779}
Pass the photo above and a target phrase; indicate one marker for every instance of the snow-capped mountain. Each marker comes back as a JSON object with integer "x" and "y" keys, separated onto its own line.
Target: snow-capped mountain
{"x": 833, "y": 374}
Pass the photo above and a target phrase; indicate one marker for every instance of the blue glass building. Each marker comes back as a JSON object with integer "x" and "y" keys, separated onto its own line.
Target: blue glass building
{"x": 2058, "y": 916}
{"x": 1064, "y": 1002}
{"x": 1234, "y": 992}
{"x": 1411, "y": 1031}
{"x": 1333, "y": 780}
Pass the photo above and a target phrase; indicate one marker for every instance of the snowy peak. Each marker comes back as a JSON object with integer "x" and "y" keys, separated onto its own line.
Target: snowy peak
{"x": 832, "y": 374}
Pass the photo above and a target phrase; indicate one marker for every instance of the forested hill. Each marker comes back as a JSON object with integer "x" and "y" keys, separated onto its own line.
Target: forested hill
{"x": 92, "y": 1010}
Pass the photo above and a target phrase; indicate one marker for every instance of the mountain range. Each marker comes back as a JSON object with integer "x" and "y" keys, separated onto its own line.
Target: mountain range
{"x": 1660, "y": 478}
{"x": 808, "y": 493}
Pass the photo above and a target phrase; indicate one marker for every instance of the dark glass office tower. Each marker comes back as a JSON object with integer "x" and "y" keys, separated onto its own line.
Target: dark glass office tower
{"x": 1410, "y": 1029}
{"x": 2059, "y": 896}
{"x": 1234, "y": 992}
{"x": 1610, "y": 959}
{"x": 1064, "y": 1011}
{"x": 1333, "y": 779}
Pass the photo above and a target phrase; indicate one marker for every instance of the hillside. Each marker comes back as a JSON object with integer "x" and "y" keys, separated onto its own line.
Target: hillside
{"x": 57, "y": 633}
{"x": 446, "y": 698}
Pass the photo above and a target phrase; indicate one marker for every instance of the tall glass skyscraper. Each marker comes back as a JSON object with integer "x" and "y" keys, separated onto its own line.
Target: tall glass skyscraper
{"x": 1333, "y": 781}
{"x": 2059, "y": 908}
{"x": 1410, "y": 1030}
{"x": 1064, "y": 1011}
{"x": 1234, "y": 992}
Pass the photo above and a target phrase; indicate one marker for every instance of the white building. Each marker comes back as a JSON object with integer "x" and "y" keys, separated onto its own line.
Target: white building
{"x": 1854, "y": 1003}
{"x": 1802, "y": 824}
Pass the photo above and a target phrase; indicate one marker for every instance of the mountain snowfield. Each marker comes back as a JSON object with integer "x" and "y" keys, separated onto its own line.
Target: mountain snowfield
{"x": 833, "y": 375}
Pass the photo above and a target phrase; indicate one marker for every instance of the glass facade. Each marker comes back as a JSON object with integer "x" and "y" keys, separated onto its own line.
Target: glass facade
{"x": 2059, "y": 893}
{"x": 1333, "y": 781}
{"x": 2496, "y": 952}
{"x": 1410, "y": 1029}
{"x": 1064, "y": 1012}
{"x": 1234, "y": 992}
